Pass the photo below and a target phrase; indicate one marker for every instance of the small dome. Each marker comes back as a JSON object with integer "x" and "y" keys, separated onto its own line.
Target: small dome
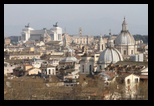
{"x": 110, "y": 55}
{"x": 68, "y": 59}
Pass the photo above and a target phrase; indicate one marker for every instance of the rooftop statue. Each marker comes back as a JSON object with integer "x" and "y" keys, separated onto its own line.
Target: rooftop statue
{"x": 55, "y": 25}
{"x": 27, "y": 25}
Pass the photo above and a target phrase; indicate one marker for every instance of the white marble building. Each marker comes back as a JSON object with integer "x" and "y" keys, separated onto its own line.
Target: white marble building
{"x": 8, "y": 68}
{"x": 88, "y": 63}
{"x": 48, "y": 70}
{"x": 54, "y": 33}
{"x": 131, "y": 84}
{"x": 101, "y": 45}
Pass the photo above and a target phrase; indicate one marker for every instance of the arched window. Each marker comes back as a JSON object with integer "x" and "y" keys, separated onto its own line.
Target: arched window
{"x": 131, "y": 51}
{"x": 102, "y": 46}
{"x": 100, "y": 67}
{"x": 90, "y": 69}
{"x": 128, "y": 81}
{"x": 124, "y": 52}
{"x": 136, "y": 80}
{"x": 83, "y": 49}
{"x": 83, "y": 68}
{"x": 53, "y": 71}
{"x": 49, "y": 71}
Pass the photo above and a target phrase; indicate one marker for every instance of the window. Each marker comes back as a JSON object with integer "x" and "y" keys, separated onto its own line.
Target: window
{"x": 128, "y": 81}
{"x": 102, "y": 46}
{"x": 100, "y": 67}
{"x": 83, "y": 68}
{"x": 82, "y": 48}
{"x": 136, "y": 80}
{"x": 131, "y": 51}
{"x": 49, "y": 71}
{"x": 124, "y": 52}
{"x": 90, "y": 69}
{"x": 52, "y": 36}
{"x": 53, "y": 71}
{"x": 107, "y": 83}
{"x": 45, "y": 71}
{"x": 59, "y": 36}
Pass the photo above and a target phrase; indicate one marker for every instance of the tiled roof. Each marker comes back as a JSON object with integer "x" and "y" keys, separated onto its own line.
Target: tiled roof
{"x": 46, "y": 66}
{"x": 110, "y": 74}
{"x": 143, "y": 76}
{"x": 68, "y": 59}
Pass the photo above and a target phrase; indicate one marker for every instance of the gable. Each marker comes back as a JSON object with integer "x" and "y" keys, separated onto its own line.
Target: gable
{"x": 132, "y": 75}
{"x": 145, "y": 70}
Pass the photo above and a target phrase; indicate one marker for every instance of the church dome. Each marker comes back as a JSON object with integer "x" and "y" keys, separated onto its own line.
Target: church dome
{"x": 68, "y": 59}
{"x": 124, "y": 38}
{"x": 110, "y": 55}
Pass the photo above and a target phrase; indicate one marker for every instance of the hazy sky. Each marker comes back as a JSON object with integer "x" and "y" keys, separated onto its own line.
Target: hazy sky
{"x": 95, "y": 19}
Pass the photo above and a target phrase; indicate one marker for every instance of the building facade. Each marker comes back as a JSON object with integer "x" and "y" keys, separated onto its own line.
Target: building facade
{"x": 7, "y": 41}
{"x": 55, "y": 34}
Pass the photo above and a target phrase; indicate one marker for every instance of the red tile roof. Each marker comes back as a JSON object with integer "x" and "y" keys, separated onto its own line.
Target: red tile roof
{"x": 143, "y": 77}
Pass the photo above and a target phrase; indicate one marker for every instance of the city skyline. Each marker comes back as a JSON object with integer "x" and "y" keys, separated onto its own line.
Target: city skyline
{"x": 94, "y": 19}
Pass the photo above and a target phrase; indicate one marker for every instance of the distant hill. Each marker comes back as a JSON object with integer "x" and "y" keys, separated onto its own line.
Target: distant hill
{"x": 141, "y": 37}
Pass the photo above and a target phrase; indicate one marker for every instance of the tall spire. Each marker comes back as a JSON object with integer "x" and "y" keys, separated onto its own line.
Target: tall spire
{"x": 110, "y": 40}
{"x": 124, "y": 25}
{"x": 80, "y": 31}
{"x": 100, "y": 38}
{"x": 110, "y": 35}
{"x": 65, "y": 41}
{"x": 87, "y": 39}
{"x": 100, "y": 43}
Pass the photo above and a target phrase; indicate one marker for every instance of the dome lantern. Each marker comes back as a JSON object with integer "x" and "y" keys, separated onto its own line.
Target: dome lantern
{"x": 124, "y": 38}
{"x": 124, "y": 25}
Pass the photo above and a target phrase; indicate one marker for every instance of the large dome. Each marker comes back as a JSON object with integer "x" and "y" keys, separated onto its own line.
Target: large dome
{"x": 110, "y": 55}
{"x": 124, "y": 38}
